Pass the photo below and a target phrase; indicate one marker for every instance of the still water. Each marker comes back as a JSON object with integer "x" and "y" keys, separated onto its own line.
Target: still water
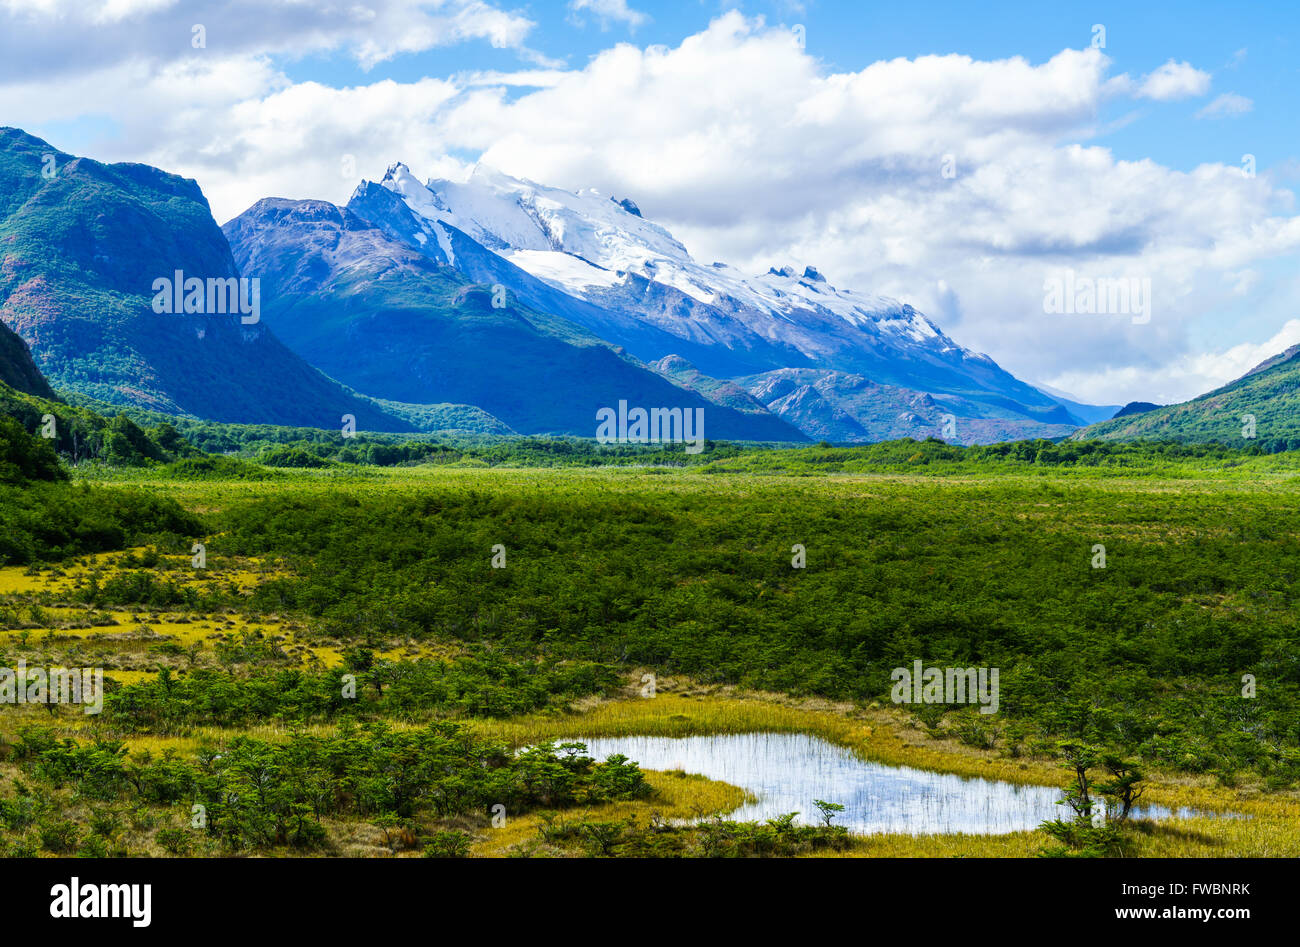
{"x": 785, "y": 772}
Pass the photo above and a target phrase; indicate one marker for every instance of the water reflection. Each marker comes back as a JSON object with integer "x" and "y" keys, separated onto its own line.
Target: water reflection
{"x": 787, "y": 771}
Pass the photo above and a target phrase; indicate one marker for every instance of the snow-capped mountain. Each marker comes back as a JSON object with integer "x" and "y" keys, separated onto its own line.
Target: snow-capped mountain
{"x": 383, "y": 318}
{"x": 603, "y": 250}
{"x": 596, "y": 260}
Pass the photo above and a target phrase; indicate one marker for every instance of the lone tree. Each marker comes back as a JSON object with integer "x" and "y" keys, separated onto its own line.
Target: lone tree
{"x": 1080, "y": 837}
{"x": 1122, "y": 787}
{"x": 1078, "y": 758}
{"x": 828, "y": 810}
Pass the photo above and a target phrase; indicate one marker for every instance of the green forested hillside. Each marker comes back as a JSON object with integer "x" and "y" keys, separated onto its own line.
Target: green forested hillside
{"x": 81, "y": 434}
{"x": 1269, "y": 393}
{"x": 81, "y": 247}
{"x": 43, "y": 517}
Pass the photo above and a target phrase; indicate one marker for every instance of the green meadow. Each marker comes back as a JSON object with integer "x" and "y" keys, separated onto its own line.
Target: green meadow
{"x": 366, "y": 647}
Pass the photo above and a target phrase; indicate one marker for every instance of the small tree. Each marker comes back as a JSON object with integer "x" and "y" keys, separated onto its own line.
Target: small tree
{"x": 828, "y": 810}
{"x": 1078, "y": 837}
{"x": 601, "y": 838}
{"x": 1078, "y": 759}
{"x": 398, "y": 832}
{"x": 1122, "y": 787}
{"x": 449, "y": 843}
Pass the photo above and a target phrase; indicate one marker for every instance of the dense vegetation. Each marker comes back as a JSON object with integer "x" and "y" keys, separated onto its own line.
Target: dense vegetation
{"x": 43, "y": 517}
{"x": 24, "y": 458}
{"x": 1147, "y": 653}
{"x": 484, "y": 685}
{"x": 256, "y": 794}
{"x": 78, "y": 434}
{"x": 679, "y": 564}
{"x": 933, "y": 456}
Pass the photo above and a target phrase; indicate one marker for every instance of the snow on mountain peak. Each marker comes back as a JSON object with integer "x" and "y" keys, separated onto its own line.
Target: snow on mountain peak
{"x": 514, "y": 216}
{"x": 588, "y": 244}
{"x": 397, "y": 172}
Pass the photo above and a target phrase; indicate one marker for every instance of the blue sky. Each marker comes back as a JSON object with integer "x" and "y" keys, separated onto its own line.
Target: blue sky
{"x": 1117, "y": 162}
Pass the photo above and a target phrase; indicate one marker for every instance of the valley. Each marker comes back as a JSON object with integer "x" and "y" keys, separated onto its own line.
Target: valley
{"x": 680, "y": 578}
{"x": 753, "y": 458}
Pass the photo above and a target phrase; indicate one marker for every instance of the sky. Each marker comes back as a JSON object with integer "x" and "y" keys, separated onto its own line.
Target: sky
{"x": 958, "y": 158}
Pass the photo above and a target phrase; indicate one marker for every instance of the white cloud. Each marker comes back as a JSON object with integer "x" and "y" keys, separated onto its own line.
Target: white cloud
{"x": 111, "y": 11}
{"x": 1174, "y": 80}
{"x": 1227, "y": 105}
{"x": 51, "y": 38}
{"x": 1186, "y": 375}
{"x": 610, "y": 11}
{"x": 531, "y": 78}
{"x": 752, "y": 152}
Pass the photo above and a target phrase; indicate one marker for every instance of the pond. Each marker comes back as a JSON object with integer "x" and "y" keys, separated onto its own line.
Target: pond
{"x": 785, "y": 772}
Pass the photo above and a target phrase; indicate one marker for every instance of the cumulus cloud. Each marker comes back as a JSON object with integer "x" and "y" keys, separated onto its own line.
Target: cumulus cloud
{"x": 46, "y": 39}
{"x": 1174, "y": 80}
{"x": 752, "y": 152}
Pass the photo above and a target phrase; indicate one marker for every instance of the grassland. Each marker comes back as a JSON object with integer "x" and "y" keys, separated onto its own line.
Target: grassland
{"x": 686, "y": 573}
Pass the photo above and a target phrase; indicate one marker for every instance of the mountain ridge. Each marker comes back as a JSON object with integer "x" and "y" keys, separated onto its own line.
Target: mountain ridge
{"x": 402, "y": 325}
{"x": 628, "y": 280}
{"x": 82, "y": 247}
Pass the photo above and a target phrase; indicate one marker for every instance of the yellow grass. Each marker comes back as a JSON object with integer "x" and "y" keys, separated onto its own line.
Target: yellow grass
{"x": 127, "y": 633}
{"x": 677, "y": 797}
